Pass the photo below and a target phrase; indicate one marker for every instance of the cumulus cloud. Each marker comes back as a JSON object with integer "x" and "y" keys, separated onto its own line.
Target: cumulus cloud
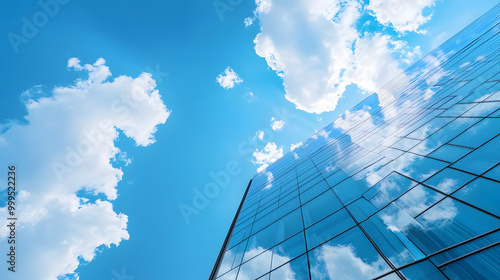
{"x": 373, "y": 64}
{"x": 66, "y": 148}
{"x": 318, "y": 51}
{"x": 402, "y": 15}
{"x": 268, "y": 155}
{"x": 277, "y": 124}
{"x": 229, "y": 78}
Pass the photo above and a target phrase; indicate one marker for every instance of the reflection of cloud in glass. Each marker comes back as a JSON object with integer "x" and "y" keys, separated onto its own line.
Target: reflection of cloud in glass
{"x": 443, "y": 213}
{"x": 225, "y": 266}
{"x": 270, "y": 180}
{"x": 258, "y": 266}
{"x": 432, "y": 70}
{"x": 341, "y": 262}
{"x": 447, "y": 185}
{"x": 418, "y": 199}
{"x": 400, "y": 220}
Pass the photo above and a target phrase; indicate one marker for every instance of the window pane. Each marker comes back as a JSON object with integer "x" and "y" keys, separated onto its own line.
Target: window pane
{"x": 265, "y": 221}
{"x": 336, "y": 178}
{"x": 483, "y": 265}
{"x": 423, "y": 271}
{"x": 494, "y": 173}
{"x": 231, "y": 275}
{"x": 448, "y": 223}
{"x": 349, "y": 256}
{"x": 288, "y": 250}
{"x": 392, "y": 242}
{"x": 466, "y": 248}
{"x": 482, "y": 159}
{"x": 449, "y": 180}
{"x": 311, "y": 193}
{"x": 288, "y": 207}
{"x": 482, "y": 193}
{"x": 479, "y": 133}
{"x": 394, "y": 185}
{"x": 227, "y": 262}
{"x": 444, "y": 135}
{"x": 288, "y": 226}
{"x": 239, "y": 255}
{"x": 450, "y": 153}
{"x": 418, "y": 199}
{"x": 349, "y": 190}
{"x": 361, "y": 209}
{"x": 482, "y": 109}
{"x": 328, "y": 228}
{"x": 263, "y": 239}
{"x": 320, "y": 207}
{"x": 257, "y": 266}
{"x": 296, "y": 270}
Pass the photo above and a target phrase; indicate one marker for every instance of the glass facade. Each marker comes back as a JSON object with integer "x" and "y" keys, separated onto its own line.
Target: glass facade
{"x": 406, "y": 185}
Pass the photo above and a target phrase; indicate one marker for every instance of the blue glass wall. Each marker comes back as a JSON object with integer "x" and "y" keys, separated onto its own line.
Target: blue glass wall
{"x": 406, "y": 185}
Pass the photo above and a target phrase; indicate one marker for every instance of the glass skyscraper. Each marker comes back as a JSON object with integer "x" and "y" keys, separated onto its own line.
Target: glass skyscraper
{"x": 406, "y": 185}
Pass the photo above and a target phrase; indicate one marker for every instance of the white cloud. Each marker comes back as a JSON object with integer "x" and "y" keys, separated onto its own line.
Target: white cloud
{"x": 324, "y": 133}
{"x": 316, "y": 48}
{"x": 263, "y": 6}
{"x": 295, "y": 146}
{"x": 402, "y": 15}
{"x": 277, "y": 124}
{"x": 268, "y": 155}
{"x": 250, "y": 97}
{"x": 67, "y": 146}
{"x": 248, "y": 21}
{"x": 373, "y": 65}
{"x": 259, "y": 134}
{"x": 447, "y": 185}
{"x": 228, "y": 79}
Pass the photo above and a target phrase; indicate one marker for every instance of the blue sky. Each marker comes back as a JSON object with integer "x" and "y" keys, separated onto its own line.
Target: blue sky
{"x": 296, "y": 69}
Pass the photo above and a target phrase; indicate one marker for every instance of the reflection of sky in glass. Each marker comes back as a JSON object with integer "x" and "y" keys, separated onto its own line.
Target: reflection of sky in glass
{"x": 349, "y": 256}
{"x": 411, "y": 172}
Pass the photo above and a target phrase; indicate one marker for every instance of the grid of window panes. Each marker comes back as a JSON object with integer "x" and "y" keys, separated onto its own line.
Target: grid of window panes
{"x": 406, "y": 185}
